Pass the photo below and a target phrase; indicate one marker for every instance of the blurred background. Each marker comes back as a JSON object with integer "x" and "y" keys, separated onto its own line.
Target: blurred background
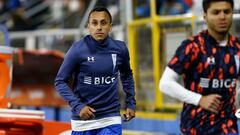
{"x": 41, "y": 31}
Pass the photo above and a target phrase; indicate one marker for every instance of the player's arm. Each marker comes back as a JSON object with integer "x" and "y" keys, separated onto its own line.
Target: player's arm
{"x": 128, "y": 85}
{"x": 169, "y": 85}
{"x": 63, "y": 77}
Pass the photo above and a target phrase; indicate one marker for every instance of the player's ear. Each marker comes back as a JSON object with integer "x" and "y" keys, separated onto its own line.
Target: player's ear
{"x": 110, "y": 27}
{"x": 87, "y": 25}
{"x": 204, "y": 16}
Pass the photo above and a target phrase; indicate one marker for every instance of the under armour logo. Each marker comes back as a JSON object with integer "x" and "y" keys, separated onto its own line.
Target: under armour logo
{"x": 90, "y": 59}
{"x": 211, "y": 60}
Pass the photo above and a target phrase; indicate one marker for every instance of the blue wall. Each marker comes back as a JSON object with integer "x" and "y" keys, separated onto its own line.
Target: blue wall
{"x": 152, "y": 125}
{"x": 170, "y": 127}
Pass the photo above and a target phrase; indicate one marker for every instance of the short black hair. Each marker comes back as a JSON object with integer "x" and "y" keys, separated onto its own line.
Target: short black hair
{"x": 100, "y": 9}
{"x": 206, "y": 3}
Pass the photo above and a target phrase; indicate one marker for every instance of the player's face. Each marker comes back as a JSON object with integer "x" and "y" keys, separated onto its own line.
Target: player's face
{"x": 99, "y": 25}
{"x": 219, "y": 17}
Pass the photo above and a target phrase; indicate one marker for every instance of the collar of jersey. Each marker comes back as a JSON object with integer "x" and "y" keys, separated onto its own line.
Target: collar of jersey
{"x": 214, "y": 42}
{"x": 104, "y": 43}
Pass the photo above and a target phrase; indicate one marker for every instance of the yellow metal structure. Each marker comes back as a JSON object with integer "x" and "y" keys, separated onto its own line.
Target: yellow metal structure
{"x": 155, "y": 21}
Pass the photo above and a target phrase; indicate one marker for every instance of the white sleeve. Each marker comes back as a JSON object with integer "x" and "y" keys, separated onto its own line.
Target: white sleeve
{"x": 169, "y": 85}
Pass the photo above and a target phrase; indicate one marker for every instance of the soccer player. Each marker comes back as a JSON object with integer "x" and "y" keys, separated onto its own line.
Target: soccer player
{"x": 95, "y": 62}
{"x": 209, "y": 63}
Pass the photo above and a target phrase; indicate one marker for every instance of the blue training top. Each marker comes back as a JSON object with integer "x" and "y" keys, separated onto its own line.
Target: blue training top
{"x": 95, "y": 68}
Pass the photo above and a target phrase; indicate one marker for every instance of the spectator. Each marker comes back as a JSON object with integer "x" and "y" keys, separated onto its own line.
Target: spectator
{"x": 74, "y": 10}
{"x": 174, "y": 7}
{"x": 18, "y": 22}
{"x": 143, "y": 9}
{"x": 3, "y": 6}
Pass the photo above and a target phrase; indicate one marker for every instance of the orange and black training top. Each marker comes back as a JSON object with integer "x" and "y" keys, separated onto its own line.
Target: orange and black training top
{"x": 208, "y": 68}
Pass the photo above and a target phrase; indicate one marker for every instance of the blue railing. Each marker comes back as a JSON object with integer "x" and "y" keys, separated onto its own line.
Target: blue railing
{"x": 4, "y": 31}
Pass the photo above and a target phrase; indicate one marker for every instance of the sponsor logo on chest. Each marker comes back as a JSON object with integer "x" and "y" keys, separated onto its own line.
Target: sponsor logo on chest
{"x": 98, "y": 80}
{"x": 216, "y": 83}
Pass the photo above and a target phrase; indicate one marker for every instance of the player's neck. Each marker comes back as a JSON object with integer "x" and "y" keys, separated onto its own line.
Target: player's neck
{"x": 218, "y": 36}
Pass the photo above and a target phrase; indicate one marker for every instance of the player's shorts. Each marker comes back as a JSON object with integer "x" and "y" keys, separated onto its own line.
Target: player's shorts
{"x": 109, "y": 130}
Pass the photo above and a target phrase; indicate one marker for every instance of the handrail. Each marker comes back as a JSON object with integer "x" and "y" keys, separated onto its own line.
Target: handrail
{"x": 48, "y": 32}
{"x": 85, "y": 17}
{"x": 55, "y": 32}
{"x": 29, "y": 12}
{"x": 31, "y": 36}
{"x": 35, "y": 9}
{"x": 6, "y": 36}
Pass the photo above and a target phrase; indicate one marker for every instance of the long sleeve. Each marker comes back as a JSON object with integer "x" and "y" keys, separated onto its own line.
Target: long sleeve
{"x": 127, "y": 81}
{"x": 65, "y": 73}
{"x": 169, "y": 85}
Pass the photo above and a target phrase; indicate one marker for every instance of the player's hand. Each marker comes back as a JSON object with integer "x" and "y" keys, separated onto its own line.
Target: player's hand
{"x": 211, "y": 102}
{"x": 130, "y": 114}
{"x": 87, "y": 113}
